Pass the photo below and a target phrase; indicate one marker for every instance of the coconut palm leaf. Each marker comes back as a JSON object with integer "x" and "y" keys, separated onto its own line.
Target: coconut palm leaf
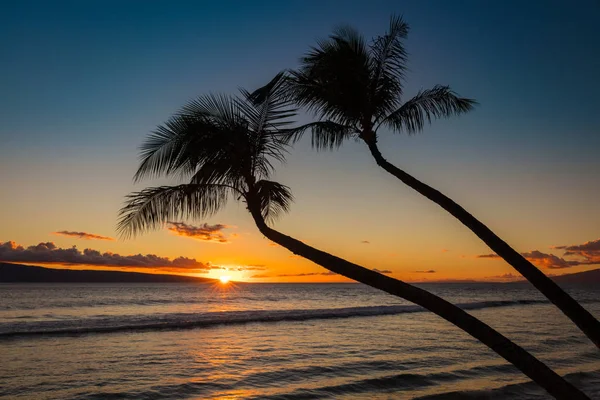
{"x": 275, "y": 199}
{"x": 151, "y": 208}
{"x": 438, "y": 102}
{"x": 388, "y": 58}
{"x": 325, "y": 135}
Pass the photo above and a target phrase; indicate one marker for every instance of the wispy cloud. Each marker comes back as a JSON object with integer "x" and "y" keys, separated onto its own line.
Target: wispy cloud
{"x": 257, "y": 276}
{"x": 204, "y": 232}
{"x": 82, "y": 235}
{"x": 365, "y": 242}
{"x": 587, "y": 253}
{"x": 382, "y": 271}
{"x": 328, "y": 273}
{"x": 492, "y": 255}
{"x": 505, "y": 277}
{"x": 429, "y": 271}
{"x": 241, "y": 268}
{"x": 48, "y": 253}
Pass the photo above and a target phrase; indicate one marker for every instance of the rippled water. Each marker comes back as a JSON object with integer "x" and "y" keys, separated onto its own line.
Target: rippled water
{"x": 276, "y": 341}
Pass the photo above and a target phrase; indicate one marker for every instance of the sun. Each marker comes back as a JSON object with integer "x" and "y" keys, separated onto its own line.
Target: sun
{"x": 224, "y": 279}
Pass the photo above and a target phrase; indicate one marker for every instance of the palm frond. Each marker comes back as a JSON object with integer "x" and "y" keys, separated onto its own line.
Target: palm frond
{"x": 278, "y": 88}
{"x": 222, "y": 110}
{"x": 389, "y": 57}
{"x": 348, "y": 36}
{"x": 161, "y": 152}
{"x": 201, "y": 124}
{"x": 153, "y": 207}
{"x": 333, "y": 79}
{"x": 274, "y": 197}
{"x": 325, "y": 135}
{"x": 269, "y": 110}
{"x": 438, "y": 102}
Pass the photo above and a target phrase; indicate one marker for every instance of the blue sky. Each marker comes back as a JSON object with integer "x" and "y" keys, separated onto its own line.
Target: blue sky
{"x": 84, "y": 82}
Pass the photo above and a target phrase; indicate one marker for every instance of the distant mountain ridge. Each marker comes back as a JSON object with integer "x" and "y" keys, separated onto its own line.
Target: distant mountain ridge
{"x": 592, "y": 276}
{"x": 588, "y": 277}
{"x": 13, "y": 273}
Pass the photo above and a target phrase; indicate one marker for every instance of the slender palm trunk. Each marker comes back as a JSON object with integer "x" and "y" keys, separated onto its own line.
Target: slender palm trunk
{"x": 528, "y": 364}
{"x": 571, "y": 308}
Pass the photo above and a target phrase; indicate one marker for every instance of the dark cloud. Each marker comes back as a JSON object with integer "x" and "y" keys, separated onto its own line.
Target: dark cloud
{"x": 365, "y": 242}
{"x": 82, "y": 235}
{"x": 429, "y": 271}
{"x": 204, "y": 232}
{"x": 540, "y": 259}
{"x": 588, "y": 253}
{"x": 488, "y": 256}
{"x": 585, "y": 254}
{"x": 382, "y": 271}
{"x": 48, "y": 253}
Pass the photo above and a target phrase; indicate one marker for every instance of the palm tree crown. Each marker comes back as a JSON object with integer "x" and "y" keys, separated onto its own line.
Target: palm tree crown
{"x": 354, "y": 87}
{"x": 223, "y": 146}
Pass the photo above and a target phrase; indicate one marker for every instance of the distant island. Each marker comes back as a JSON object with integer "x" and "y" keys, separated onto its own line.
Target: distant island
{"x": 14, "y": 273}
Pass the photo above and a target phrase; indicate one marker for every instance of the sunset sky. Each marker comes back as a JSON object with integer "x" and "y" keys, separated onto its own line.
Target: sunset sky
{"x": 83, "y": 83}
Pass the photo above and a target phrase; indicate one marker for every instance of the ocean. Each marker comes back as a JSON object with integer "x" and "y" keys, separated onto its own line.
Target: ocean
{"x": 278, "y": 341}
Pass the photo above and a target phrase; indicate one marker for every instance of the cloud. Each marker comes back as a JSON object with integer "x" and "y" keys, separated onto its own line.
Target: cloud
{"x": 429, "y": 271}
{"x": 365, "y": 242}
{"x": 549, "y": 260}
{"x": 382, "y": 271}
{"x": 445, "y": 250}
{"x": 488, "y": 256}
{"x": 261, "y": 276}
{"x": 506, "y": 277}
{"x": 328, "y": 273}
{"x": 48, "y": 253}
{"x": 204, "y": 232}
{"x": 588, "y": 253}
{"x": 257, "y": 267}
{"x": 82, "y": 235}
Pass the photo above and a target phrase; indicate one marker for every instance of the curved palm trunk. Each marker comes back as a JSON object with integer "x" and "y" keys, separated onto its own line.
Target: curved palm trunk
{"x": 529, "y": 365}
{"x": 571, "y": 308}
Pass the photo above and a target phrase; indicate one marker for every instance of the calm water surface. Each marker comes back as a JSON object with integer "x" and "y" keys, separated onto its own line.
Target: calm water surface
{"x": 277, "y": 341}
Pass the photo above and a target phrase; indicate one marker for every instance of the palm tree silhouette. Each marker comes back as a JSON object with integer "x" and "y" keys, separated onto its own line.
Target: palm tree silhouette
{"x": 225, "y": 148}
{"x": 354, "y": 88}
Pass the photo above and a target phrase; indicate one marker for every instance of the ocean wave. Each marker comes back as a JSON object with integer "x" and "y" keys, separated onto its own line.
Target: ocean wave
{"x": 588, "y": 381}
{"x": 399, "y": 383}
{"x": 70, "y": 303}
{"x": 177, "y": 321}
